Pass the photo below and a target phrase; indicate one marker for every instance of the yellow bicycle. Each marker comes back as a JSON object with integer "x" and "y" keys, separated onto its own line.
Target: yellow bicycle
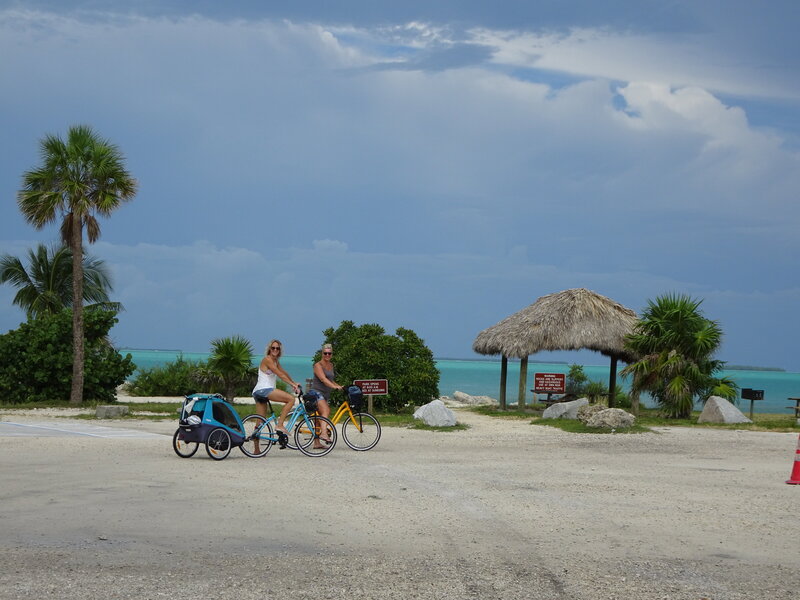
{"x": 361, "y": 431}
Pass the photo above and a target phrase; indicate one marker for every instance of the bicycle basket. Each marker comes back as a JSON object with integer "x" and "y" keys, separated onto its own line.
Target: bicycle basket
{"x": 310, "y": 400}
{"x": 355, "y": 397}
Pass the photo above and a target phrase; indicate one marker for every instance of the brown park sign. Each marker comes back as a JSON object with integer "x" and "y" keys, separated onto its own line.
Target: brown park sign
{"x": 373, "y": 387}
{"x": 550, "y": 383}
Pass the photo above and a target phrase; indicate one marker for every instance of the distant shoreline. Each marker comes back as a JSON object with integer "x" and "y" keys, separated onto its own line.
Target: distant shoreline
{"x": 490, "y": 359}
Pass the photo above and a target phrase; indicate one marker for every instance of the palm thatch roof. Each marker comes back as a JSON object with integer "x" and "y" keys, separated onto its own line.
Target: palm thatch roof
{"x": 570, "y": 320}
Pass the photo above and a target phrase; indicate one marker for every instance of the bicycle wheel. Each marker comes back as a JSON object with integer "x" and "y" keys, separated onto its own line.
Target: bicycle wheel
{"x": 307, "y": 436}
{"x": 362, "y": 432}
{"x": 303, "y": 434}
{"x": 258, "y": 436}
{"x": 218, "y": 443}
{"x": 182, "y": 448}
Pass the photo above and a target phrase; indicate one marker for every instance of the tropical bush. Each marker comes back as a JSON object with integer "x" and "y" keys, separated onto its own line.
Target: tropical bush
{"x": 230, "y": 366}
{"x": 368, "y": 352}
{"x": 228, "y": 371}
{"x": 676, "y": 345}
{"x": 36, "y": 359}
{"x": 576, "y": 381}
{"x": 177, "y": 378}
{"x": 579, "y": 385}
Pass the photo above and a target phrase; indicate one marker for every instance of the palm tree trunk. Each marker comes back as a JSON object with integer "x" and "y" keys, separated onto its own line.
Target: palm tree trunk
{"x": 76, "y": 243}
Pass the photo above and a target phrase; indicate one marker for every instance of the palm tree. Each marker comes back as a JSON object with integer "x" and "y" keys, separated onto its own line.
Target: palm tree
{"x": 44, "y": 287}
{"x": 230, "y": 363}
{"x": 78, "y": 179}
{"x": 676, "y": 344}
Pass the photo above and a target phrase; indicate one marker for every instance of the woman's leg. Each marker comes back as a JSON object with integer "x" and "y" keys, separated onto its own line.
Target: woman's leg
{"x": 261, "y": 409}
{"x": 288, "y": 401}
{"x": 324, "y": 410}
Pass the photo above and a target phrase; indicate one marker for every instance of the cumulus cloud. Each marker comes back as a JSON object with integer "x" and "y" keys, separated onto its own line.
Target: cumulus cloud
{"x": 686, "y": 60}
{"x": 329, "y": 245}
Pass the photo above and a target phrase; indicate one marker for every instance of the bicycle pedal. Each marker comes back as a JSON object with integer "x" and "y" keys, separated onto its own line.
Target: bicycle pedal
{"x": 283, "y": 439}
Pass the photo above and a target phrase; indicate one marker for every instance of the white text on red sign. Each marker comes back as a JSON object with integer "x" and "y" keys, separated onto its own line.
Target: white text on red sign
{"x": 373, "y": 387}
{"x": 550, "y": 382}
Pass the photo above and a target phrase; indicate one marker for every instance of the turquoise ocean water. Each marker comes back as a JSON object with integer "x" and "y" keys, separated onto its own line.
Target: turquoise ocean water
{"x": 482, "y": 377}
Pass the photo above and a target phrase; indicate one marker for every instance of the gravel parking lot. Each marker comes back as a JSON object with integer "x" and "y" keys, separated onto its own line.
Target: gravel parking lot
{"x": 502, "y": 509}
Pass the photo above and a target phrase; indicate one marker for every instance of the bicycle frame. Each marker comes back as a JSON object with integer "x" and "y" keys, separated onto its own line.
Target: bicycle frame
{"x": 298, "y": 419}
{"x": 345, "y": 410}
{"x": 361, "y": 422}
{"x": 295, "y": 416}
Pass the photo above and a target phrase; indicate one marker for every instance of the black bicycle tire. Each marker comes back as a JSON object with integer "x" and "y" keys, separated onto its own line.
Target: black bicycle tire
{"x": 308, "y": 450}
{"x": 218, "y": 452}
{"x": 265, "y": 443}
{"x": 188, "y": 454}
{"x": 347, "y": 423}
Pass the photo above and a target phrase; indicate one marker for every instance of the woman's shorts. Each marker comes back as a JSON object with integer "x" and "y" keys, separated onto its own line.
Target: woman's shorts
{"x": 262, "y": 394}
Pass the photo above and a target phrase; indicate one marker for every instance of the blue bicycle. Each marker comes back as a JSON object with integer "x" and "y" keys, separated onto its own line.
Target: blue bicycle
{"x": 312, "y": 434}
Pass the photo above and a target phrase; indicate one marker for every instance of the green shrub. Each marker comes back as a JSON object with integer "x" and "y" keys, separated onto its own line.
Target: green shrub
{"x": 36, "y": 359}
{"x": 177, "y": 378}
{"x": 576, "y": 381}
{"x": 367, "y": 352}
{"x": 183, "y": 377}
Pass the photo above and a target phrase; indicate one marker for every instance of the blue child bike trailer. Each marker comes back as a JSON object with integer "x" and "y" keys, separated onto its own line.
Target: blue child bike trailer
{"x": 208, "y": 419}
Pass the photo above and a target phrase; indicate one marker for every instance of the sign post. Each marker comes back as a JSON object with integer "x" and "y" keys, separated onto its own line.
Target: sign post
{"x": 751, "y": 394}
{"x": 372, "y": 387}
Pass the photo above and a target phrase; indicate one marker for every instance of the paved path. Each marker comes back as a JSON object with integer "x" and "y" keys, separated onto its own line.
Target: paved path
{"x": 63, "y": 428}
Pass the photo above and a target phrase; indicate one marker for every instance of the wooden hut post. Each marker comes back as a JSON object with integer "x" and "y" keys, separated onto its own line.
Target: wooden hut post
{"x": 612, "y": 383}
{"x": 503, "y": 375}
{"x": 523, "y": 382}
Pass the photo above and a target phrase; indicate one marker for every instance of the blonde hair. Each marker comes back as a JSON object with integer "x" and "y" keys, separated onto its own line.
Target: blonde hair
{"x": 266, "y": 350}
{"x": 327, "y": 347}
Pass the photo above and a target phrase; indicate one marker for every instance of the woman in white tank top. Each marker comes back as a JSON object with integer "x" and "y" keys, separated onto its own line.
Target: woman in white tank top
{"x": 269, "y": 369}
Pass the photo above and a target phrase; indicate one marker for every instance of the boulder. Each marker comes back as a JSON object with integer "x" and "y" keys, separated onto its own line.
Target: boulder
{"x": 719, "y": 410}
{"x": 586, "y": 412}
{"x": 435, "y": 414}
{"x": 111, "y": 412}
{"x": 611, "y": 418}
{"x": 472, "y": 400}
{"x": 564, "y": 410}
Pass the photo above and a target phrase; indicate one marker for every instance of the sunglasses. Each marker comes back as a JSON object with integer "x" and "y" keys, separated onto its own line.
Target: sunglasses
{"x": 275, "y": 348}
{"x": 328, "y": 353}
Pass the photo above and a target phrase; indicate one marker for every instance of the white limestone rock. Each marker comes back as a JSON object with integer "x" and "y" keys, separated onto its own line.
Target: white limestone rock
{"x": 435, "y": 414}
{"x": 587, "y": 412}
{"x": 611, "y": 418}
{"x": 472, "y": 400}
{"x": 564, "y": 410}
{"x": 719, "y": 410}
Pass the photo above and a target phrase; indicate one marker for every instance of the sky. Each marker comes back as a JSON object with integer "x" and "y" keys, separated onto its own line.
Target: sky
{"x": 430, "y": 165}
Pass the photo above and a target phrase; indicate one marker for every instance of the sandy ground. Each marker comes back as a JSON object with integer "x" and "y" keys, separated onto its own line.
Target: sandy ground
{"x": 500, "y": 510}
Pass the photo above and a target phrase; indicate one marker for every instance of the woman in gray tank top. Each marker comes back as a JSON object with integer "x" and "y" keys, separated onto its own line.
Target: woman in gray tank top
{"x": 324, "y": 383}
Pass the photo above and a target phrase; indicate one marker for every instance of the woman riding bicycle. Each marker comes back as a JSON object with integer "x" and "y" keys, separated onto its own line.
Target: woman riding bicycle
{"x": 265, "y": 389}
{"x": 324, "y": 383}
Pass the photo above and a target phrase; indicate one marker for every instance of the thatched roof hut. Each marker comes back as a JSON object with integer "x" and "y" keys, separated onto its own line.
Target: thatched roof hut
{"x": 574, "y": 319}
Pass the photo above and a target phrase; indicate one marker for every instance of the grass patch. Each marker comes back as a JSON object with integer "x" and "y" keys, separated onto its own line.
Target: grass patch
{"x": 35, "y": 405}
{"x": 423, "y": 427}
{"x": 492, "y": 411}
{"x": 649, "y": 418}
{"x": 761, "y": 422}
